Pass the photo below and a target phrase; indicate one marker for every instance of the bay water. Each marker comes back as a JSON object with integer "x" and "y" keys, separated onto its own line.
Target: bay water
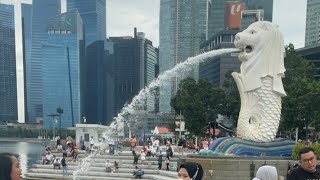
{"x": 29, "y": 152}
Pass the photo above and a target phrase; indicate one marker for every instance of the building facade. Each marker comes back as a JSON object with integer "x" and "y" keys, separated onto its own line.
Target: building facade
{"x": 8, "y": 79}
{"x": 312, "y": 36}
{"x": 182, "y": 30}
{"x": 93, "y": 14}
{"x": 61, "y": 57}
{"x": 312, "y": 53}
{"x": 216, "y": 68}
{"x": 94, "y": 77}
{"x": 134, "y": 68}
{"x": 26, "y": 13}
{"x": 221, "y": 33}
{"x": 217, "y": 13}
{"x": 41, "y": 12}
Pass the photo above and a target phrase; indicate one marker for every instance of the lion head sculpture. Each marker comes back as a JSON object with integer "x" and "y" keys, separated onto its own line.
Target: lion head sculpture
{"x": 262, "y": 55}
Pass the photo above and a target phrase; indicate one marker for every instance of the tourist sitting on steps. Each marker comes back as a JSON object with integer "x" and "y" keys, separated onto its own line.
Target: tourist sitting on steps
{"x": 108, "y": 166}
{"x": 115, "y": 167}
{"x": 138, "y": 173}
{"x": 56, "y": 162}
{"x": 48, "y": 158}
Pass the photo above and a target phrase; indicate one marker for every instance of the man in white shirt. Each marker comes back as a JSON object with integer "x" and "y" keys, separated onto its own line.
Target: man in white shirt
{"x": 56, "y": 162}
{"x": 48, "y": 158}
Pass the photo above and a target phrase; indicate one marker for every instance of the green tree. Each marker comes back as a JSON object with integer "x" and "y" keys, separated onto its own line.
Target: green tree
{"x": 301, "y": 105}
{"x": 199, "y": 102}
{"x": 232, "y": 103}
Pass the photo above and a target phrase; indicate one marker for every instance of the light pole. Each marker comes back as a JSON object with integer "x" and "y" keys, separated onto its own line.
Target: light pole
{"x": 85, "y": 121}
{"x": 53, "y": 119}
{"x": 54, "y": 127}
{"x": 60, "y": 111}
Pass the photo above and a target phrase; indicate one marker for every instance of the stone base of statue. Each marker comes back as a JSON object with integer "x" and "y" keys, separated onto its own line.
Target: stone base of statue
{"x": 231, "y": 146}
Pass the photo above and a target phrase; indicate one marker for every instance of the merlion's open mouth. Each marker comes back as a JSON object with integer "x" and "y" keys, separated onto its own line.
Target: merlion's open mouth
{"x": 247, "y": 49}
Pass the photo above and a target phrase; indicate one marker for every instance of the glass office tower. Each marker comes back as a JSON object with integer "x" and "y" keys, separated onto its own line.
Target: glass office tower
{"x": 312, "y": 23}
{"x": 41, "y": 12}
{"x": 26, "y": 13}
{"x": 134, "y": 68}
{"x": 8, "y": 79}
{"x": 61, "y": 68}
{"x": 182, "y": 29}
{"x": 93, "y": 14}
{"x": 217, "y": 8}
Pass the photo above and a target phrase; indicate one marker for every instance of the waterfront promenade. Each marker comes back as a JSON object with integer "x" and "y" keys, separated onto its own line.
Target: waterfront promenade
{"x": 95, "y": 167}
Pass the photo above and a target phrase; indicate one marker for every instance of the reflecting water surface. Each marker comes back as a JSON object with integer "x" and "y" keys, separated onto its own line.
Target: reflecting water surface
{"x": 29, "y": 152}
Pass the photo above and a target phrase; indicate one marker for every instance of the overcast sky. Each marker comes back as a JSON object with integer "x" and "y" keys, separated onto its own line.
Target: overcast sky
{"x": 124, "y": 15}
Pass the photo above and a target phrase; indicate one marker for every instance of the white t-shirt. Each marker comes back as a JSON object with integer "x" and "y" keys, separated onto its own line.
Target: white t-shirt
{"x": 91, "y": 141}
{"x": 56, "y": 161}
{"x": 143, "y": 156}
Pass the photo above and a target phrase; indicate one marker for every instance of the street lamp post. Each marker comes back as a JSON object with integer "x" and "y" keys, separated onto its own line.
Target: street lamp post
{"x": 54, "y": 120}
{"x": 60, "y": 111}
{"x": 85, "y": 121}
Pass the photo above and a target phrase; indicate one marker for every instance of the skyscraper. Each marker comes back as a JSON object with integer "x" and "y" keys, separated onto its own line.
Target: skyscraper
{"x": 8, "y": 80}
{"x": 312, "y": 23}
{"x": 94, "y": 77}
{"x": 93, "y": 14}
{"x": 61, "y": 57}
{"x": 221, "y": 36}
{"x": 217, "y": 9}
{"x": 41, "y": 12}
{"x": 182, "y": 29}
{"x": 26, "y": 13}
{"x": 134, "y": 68}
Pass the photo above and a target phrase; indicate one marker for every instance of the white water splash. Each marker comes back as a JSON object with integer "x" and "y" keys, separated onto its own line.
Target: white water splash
{"x": 139, "y": 100}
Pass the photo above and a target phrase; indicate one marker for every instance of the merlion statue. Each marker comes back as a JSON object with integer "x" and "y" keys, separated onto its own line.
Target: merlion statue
{"x": 260, "y": 81}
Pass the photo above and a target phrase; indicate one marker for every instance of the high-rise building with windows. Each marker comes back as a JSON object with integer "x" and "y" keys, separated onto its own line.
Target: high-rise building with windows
{"x": 26, "y": 13}
{"x": 8, "y": 79}
{"x": 41, "y": 12}
{"x": 312, "y": 23}
{"x": 93, "y": 14}
{"x": 134, "y": 68}
{"x": 182, "y": 29}
{"x": 61, "y": 57}
{"x": 221, "y": 33}
{"x": 217, "y": 13}
{"x": 94, "y": 78}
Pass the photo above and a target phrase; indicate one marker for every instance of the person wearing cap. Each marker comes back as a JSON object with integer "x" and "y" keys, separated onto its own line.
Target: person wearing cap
{"x": 190, "y": 171}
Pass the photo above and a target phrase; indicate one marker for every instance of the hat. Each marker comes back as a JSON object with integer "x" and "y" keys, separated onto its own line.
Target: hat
{"x": 194, "y": 170}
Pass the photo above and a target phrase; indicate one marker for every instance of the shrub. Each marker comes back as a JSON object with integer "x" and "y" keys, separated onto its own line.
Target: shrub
{"x": 297, "y": 147}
